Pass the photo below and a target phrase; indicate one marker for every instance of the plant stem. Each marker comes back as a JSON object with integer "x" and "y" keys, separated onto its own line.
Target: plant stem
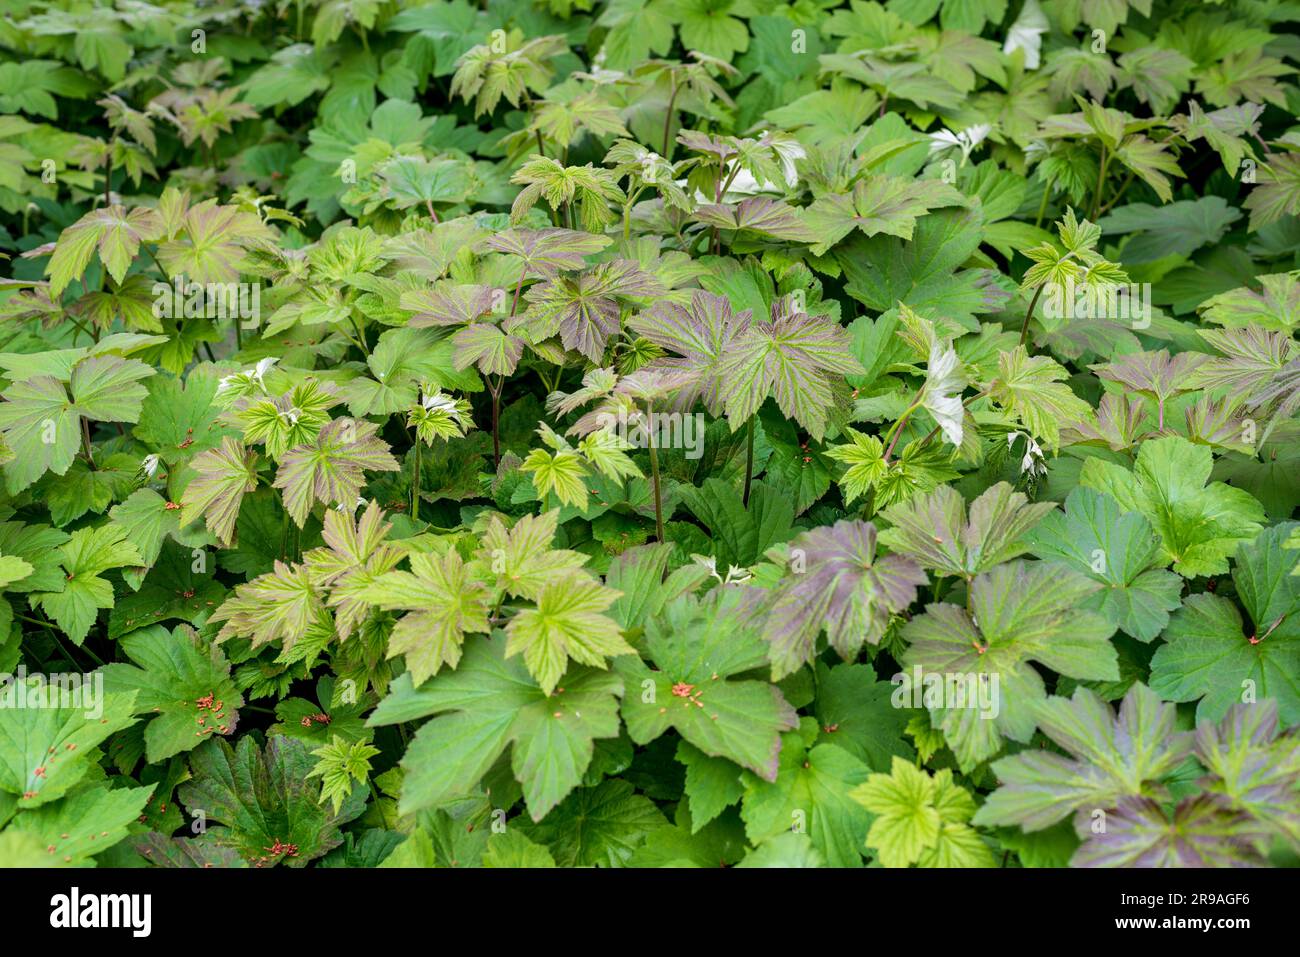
{"x": 496, "y": 419}
{"x": 891, "y": 437}
{"x": 415, "y": 481}
{"x": 85, "y": 441}
{"x": 668, "y": 124}
{"x": 1024, "y": 326}
{"x": 1101, "y": 181}
{"x": 749, "y": 461}
{"x": 1042, "y": 207}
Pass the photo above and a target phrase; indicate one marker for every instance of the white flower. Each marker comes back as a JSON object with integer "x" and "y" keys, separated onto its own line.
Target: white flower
{"x": 1027, "y": 33}
{"x": 944, "y": 382}
{"x": 1032, "y": 463}
{"x": 150, "y": 465}
{"x": 967, "y": 140}
{"x": 709, "y": 562}
{"x": 439, "y": 404}
{"x": 736, "y": 574}
{"x": 262, "y": 368}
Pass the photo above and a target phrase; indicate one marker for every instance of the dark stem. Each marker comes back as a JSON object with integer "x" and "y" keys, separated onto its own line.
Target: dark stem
{"x": 1024, "y": 326}
{"x": 668, "y": 124}
{"x": 85, "y": 441}
{"x": 496, "y": 419}
{"x": 415, "y": 481}
{"x": 749, "y": 462}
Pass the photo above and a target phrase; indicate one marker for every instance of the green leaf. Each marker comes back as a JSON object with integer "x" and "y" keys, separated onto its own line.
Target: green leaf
{"x": 598, "y": 827}
{"x": 224, "y": 476}
{"x": 187, "y": 686}
{"x": 1019, "y": 612}
{"x": 921, "y": 819}
{"x": 444, "y": 602}
{"x": 697, "y": 648}
{"x": 265, "y": 801}
{"x": 934, "y": 529}
{"x": 50, "y": 734}
{"x": 89, "y": 822}
{"x": 857, "y": 712}
{"x": 85, "y": 557}
{"x": 39, "y": 418}
{"x": 114, "y": 231}
{"x": 1199, "y": 526}
{"x": 1212, "y": 655}
{"x": 494, "y": 703}
{"x": 811, "y": 795}
{"x": 1119, "y": 549}
{"x": 567, "y": 625}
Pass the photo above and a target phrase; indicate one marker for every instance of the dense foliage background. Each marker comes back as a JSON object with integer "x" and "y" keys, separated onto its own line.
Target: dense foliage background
{"x": 650, "y": 432}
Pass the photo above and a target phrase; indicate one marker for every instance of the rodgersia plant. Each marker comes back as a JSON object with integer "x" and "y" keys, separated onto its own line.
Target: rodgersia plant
{"x": 818, "y": 434}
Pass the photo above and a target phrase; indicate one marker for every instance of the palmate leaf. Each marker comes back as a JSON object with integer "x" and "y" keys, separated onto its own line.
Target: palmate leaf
{"x": 1110, "y": 758}
{"x": 444, "y": 602}
{"x": 85, "y": 557}
{"x": 699, "y": 335}
{"x": 1277, "y": 193}
{"x": 223, "y": 477}
{"x": 811, "y": 794}
{"x": 330, "y": 469}
{"x": 1212, "y": 655}
{"x": 877, "y": 204}
{"x": 522, "y": 557}
{"x": 86, "y": 823}
{"x": 857, "y": 712}
{"x": 568, "y": 624}
{"x": 790, "y": 358}
{"x": 839, "y": 584}
{"x": 601, "y": 826}
{"x": 548, "y": 252}
{"x": 740, "y": 534}
{"x": 1019, "y": 612}
{"x": 1204, "y": 832}
{"x": 1119, "y": 549}
{"x": 49, "y": 743}
{"x": 697, "y": 647}
{"x": 183, "y": 688}
{"x": 759, "y": 214}
{"x": 584, "y": 309}
{"x": 1274, "y": 307}
{"x": 921, "y": 819}
{"x": 1253, "y": 766}
{"x": 280, "y": 605}
{"x": 117, "y": 234}
{"x": 1199, "y": 526}
{"x": 209, "y": 244}
{"x": 487, "y": 704}
{"x": 934, "y": 530}
{"x": 40, "y": 415}
{"x": 1030, "y": 389}
{"x": 265, "y": 801}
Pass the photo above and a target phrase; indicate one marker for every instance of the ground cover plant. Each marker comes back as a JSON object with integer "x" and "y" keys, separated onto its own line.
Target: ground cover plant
{"x": 649, "y": 433}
